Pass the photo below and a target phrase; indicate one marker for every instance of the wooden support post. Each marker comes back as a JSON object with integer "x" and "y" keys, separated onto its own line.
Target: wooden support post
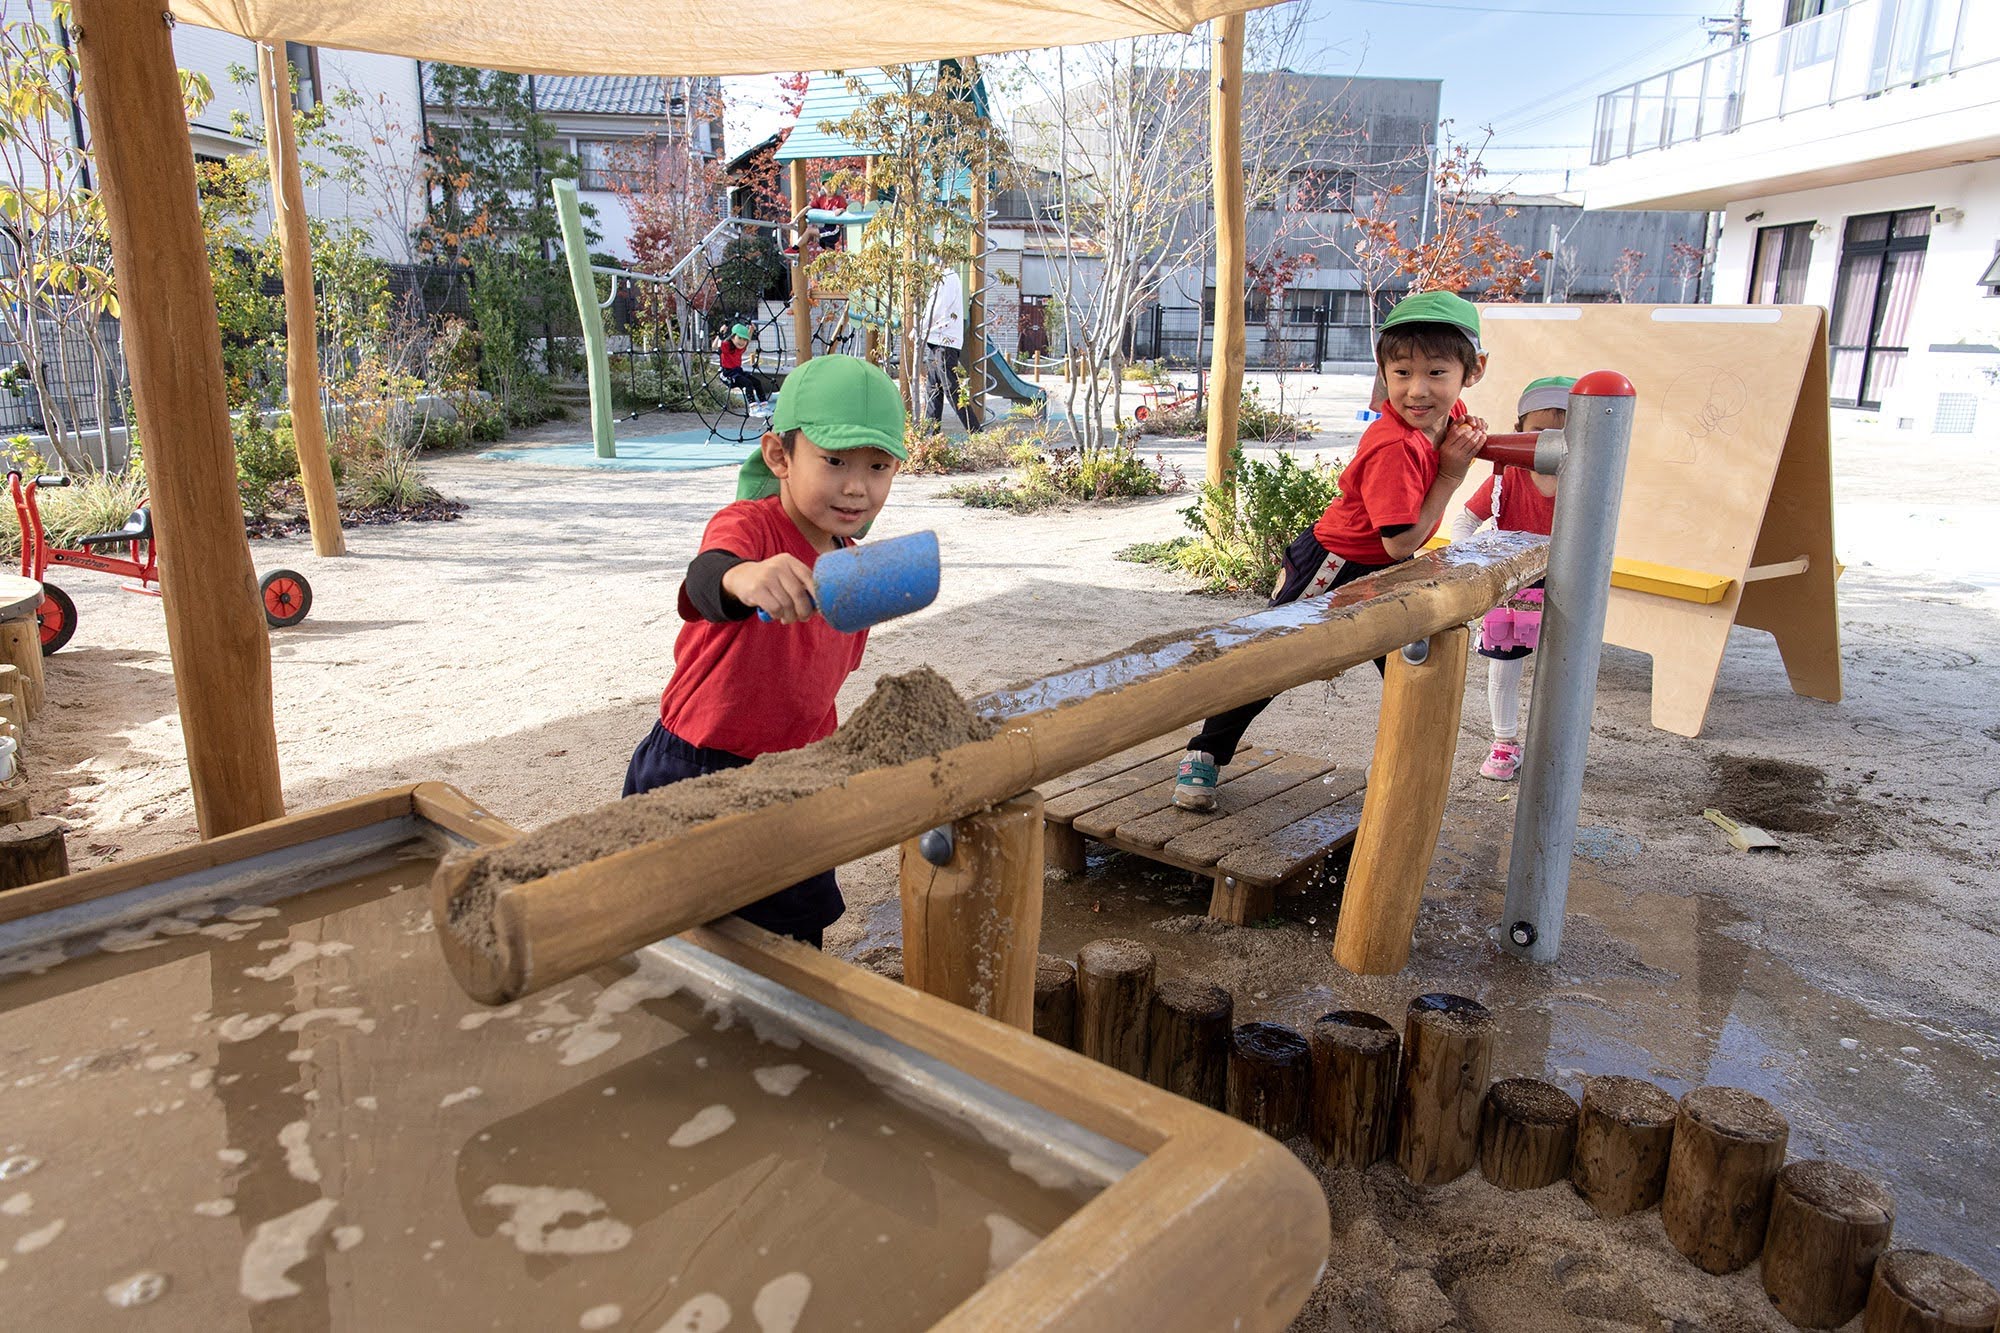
{"x": 1064, "y": 849}
{"x": 1055, "y": 1000}
{"x": 1447, "y": 1050}
{"x": 1235, "y": 900}
{"x": 1415, "y": 741}
{"x": 1915, "y": 1291}
{"x": 21, "y": 650}
{"x": 975, "y": 300}
{"x": 1622, "y": 1144}
{"x": 871, "y": 338}
{"x": 1354, "y": 1087}
{"x": 1114, "y": 991}
{"x": 12, "y": 712}
{"x": 1527, "y": 1134}
{"x": 1728, "y": 1146}
{"x": 972, "y": 927}
{"x": 1187, "y": 1041}
{"x": 1225, "y": 134}
{"x": 802, "y": 305}
{"x": 13, "y": 801}
{"x": 288, "y": 221}
{"x": 32, "y": 851}
{"x": 12, "y": 683}
{"x": 216, "y": 636}
{"x": 1270, "y": 1078}
{"x": 1829, "y": 1224}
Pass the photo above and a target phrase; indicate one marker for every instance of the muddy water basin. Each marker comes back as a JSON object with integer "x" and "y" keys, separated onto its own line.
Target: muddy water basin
{"x": 266, "y": 1105}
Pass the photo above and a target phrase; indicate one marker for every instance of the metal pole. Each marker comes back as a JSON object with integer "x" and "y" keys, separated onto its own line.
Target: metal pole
{"x": 1578, "y": 588}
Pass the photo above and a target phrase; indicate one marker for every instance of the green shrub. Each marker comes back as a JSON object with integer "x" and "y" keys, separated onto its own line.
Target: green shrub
{"x": 1146, "y": 372}
{"x": 1053, "y": 474}
{"x": 393, "y": 481}
{"x": 1241, "y": 527}
{"x": 1256, "y": 421}
{"x": 266, "y": 454}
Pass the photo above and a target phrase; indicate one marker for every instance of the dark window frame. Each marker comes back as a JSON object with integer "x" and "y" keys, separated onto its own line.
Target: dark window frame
{"x": 1789, "y": 236}
{"x": 1892, "y": 242}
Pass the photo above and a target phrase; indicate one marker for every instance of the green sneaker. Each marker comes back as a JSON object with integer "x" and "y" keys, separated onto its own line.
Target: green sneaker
{"x": 1196, "y": 781}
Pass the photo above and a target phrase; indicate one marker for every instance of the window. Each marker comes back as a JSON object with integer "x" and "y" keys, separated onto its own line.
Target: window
{"x": 304, "y": 61}
{"x": 1778, "y": 269}
{"x": 605, "y": 164}
{"x": 1321, "y": 190}
{"x": 1256, "y": 306}
{"x": 1316, "y": 305}
{"x": 1881, "y": 265}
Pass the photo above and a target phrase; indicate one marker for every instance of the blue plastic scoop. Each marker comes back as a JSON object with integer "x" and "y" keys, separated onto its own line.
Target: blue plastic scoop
{"x": 865, "y": 584}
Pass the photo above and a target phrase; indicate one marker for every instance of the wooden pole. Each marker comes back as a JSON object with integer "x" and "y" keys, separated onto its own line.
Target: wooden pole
{"x": 1415, "y": 741}
{"x": 1447, "y": 1050}
{"x": 32, "y": 851}
{"x": 1527, "y": 1134}
{"x": 288, "y": 221}
{"x": 802, "y": 306}
{"x": 971, "y": 927}
{"x": 1055, "y": 1000}
{"x": 504, "y": 938}
{"x": 975, "y": 304}
{"x": 1623, "y": 1140}
{"x": 1915, "y": 1291}
{"x": 1728, "y": 1146}
{"x": 21, "y": 649}
{"x": 1187, "y": 1040}
{"x": 1114, "y": 990}
{"x": 1355, "y": 1056}
{"x": 871, "y": 338}
{"x": 1270, "y": 1078}
{"x": 14, "y": 800}
{"x": 1829, "y": 1224}
{"x": 1225, "y": 132}
{"x": 215, "y": 623}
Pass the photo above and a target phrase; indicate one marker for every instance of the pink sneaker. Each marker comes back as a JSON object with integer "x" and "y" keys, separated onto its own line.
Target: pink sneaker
{"x": 1504, "y": 763}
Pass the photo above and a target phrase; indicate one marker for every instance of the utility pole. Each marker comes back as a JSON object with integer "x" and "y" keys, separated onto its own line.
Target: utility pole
{"x": 1735, "y": 27}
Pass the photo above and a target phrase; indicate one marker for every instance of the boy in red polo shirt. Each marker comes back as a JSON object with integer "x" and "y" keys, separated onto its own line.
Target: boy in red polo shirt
{"x": 743, "y": 686}
{"x": 1392, "y": 493}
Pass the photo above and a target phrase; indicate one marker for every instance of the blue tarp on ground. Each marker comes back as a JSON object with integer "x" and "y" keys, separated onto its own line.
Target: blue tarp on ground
{"x": 675, "y": 451}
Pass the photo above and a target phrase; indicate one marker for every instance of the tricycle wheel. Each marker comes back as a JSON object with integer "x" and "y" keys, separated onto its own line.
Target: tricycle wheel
{"x": 1141, "y": 413}
{"x": 57, "y": 615}
{"x": 287, "y": 597}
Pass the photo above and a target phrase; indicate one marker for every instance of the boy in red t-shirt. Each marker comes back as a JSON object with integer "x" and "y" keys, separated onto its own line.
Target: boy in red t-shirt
{"x": 1516, "y": 499}
{"x": 1393, "y": 492}
{"x": 743, "y": 686}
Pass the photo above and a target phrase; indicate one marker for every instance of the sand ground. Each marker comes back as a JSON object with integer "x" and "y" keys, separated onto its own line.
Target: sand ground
{"x": 519, "y": 651}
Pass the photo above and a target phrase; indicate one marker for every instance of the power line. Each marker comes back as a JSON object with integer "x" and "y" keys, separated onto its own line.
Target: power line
{"x": 1536, "y": 13}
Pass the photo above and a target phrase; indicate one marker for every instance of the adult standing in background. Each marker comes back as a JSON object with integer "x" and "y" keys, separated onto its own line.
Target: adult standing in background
{"x": 944, "y": 342}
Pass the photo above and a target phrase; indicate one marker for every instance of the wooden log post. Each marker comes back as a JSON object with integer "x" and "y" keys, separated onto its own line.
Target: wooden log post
{"x": 32, "y": 851}
{"x": 1225, "y": 133}
{"x": 1187, "y": 1040}
{"x": 1915, "y": 1291}
{"x": 21, "y": 650}
{"x": 11, "y": 683}
{"x": 12, "y": 712}
{"x": 289, "y": 223}
{"x": 972, "y": 927}
{"x": 1728, "y": 1146}
{"x": 1415, "y": 741}
{"x": 1355, "y": 1056}
{"x": 1623, "y": 1140}
{"x": 1829, "y": 1224}
{"x": 1055, "y": 1000}
{"x": 1114, "y": 992}
{"x": 1270, "y": 1078}
{"x": 802, "y": 304}
{"x": 1447, "y": 1051}
{"x": 13, "y": 801}
{"x": 216, "y": 635}
{"x": 1527, "y": 1134}
{"x": 975, "y": 300}
{"x": 1064, "y": 849}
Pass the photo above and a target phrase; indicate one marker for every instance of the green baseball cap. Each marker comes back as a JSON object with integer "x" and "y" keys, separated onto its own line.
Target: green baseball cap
{"x": 1546, "y": 392}
{"x": 1436, "y": 308}
{"x": 739, "y": 331}
{"x": 840, "y": 402}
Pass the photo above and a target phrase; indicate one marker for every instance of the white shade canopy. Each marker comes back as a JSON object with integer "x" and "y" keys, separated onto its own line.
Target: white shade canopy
{"x": 696, "y": 36}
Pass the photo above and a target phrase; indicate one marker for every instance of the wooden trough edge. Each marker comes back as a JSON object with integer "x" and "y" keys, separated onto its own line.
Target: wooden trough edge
{"x": 507, "y": 940}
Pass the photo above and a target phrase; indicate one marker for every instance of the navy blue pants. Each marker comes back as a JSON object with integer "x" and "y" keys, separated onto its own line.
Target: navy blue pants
{"x": 804, "y": 910}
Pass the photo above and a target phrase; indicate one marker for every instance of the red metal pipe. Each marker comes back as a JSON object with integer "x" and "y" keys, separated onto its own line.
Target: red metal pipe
{"x": 1513, "y": 450}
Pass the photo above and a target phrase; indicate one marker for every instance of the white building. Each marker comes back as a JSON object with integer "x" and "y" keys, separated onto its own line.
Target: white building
{"x": 1854, "y": 152}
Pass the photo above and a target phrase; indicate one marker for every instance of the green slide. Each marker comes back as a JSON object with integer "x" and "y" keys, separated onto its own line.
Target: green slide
{"x": 1009, "y": 385}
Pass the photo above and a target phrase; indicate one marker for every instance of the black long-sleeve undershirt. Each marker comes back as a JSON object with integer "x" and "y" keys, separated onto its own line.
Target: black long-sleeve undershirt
{"x": 703, "y": 586}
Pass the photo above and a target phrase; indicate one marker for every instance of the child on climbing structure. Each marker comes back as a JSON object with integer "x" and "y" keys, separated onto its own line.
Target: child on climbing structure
{"x": 729, "y": 356}
{"x": 743, "y": 686}
{"x": 1515, "y": 499}
{"x": 1393, "y": 492}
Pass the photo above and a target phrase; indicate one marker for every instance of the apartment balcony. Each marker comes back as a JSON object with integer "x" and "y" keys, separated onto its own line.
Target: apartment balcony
{"x": 1874, "y": 88}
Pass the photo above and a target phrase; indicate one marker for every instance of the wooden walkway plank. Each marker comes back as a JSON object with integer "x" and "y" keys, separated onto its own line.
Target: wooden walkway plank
{"x": 1210, "y": 844}
{"x": 1297, "y": 847}
{"x": 1100, "y": 822}
{"x": 1239, "y": 791}
{"x": 1112, "y": 787}
{"x": 1138, "y": 756}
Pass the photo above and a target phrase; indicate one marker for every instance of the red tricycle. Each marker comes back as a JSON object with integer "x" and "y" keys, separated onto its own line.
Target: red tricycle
{"x": 286, "y": 594}
{"x": 1166, "y": 397}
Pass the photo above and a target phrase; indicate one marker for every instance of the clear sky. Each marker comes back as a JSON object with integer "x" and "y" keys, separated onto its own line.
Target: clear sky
{"x": 1531, "y": 69}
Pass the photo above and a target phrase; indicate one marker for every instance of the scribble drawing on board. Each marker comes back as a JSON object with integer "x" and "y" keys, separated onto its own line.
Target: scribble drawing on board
{"x": 1704, "y": 404}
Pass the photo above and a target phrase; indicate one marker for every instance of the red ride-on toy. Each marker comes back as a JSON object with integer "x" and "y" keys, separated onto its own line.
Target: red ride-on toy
{"x": 1167, "y": 397}
{"x": 286, "y": 594}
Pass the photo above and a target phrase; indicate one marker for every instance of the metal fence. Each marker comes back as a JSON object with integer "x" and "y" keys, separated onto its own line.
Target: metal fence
{"x": 72, "y": 373}
{"x": 1177, "y": 336}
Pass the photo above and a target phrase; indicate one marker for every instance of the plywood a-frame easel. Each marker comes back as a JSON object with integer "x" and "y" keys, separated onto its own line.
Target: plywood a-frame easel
{"x": 1728, "y": 511}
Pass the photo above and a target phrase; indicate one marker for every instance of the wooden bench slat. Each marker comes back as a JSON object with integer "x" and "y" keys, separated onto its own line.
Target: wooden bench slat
{"x": 1238, "y": 792}
{"x": 1298, "y": 846}
{"x": 1100, "y": 821}
{"x": 1216, "y": 840}
{"x": 1066, "y": 797}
